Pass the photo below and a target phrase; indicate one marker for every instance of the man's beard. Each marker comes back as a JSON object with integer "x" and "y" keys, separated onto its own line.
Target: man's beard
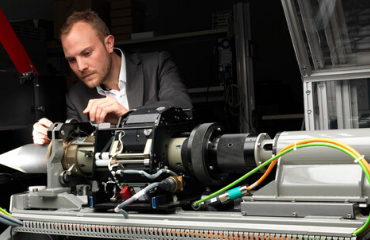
{"x": 106, "y": 70}
{"x": 102, "y": 75}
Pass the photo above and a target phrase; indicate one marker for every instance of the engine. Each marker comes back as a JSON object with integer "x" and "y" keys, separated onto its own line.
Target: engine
{"x": 148, "y": 146}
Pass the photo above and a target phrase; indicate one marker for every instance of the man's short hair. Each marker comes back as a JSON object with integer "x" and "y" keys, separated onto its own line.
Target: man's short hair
{"x": 89, "y": 17}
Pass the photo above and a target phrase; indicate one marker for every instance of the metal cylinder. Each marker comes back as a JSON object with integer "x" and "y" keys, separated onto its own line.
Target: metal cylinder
{"x": 174, "y": 154}
{"x": 235, "y": 152}
{"x": 81, "y": 157}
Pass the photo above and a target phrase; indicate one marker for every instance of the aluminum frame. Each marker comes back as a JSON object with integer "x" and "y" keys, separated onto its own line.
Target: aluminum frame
{"x": 339, "y": 45}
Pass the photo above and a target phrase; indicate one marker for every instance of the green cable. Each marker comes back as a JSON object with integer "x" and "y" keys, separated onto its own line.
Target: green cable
{"x": 241, "y": 178}
{"x": 5, "y": 212}
{"x": 358, "y": 231}
{"x": 367, "y": 223}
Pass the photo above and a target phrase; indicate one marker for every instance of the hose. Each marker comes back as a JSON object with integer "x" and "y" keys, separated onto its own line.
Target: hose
{"x": 300, "y": 144}
{"x": 10, "y": 221}
{"x": 147, "y": 175}
{"x": 119, "y": 208}
{"x": 271, "y": 166}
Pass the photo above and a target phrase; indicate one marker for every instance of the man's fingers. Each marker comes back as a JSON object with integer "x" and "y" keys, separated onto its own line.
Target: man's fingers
{"x": 37, "y": 135}
{"x": 99, "y": 109}
{"x": 40, "y": 128}
{"x": 91, "y": 108}
{"x": 46, "y": 122}
{"x": 40, "y": 131}
{"x": 94, "y": 108}
{"x": 40, "y": 141}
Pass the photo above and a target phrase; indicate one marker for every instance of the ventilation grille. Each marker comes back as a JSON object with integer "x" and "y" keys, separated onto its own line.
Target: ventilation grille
{"x": 120, "y": 232}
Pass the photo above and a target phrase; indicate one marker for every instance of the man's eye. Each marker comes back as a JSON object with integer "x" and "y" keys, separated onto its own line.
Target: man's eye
{"x": 87, "y": 53}
{"x": 72, "y": 60}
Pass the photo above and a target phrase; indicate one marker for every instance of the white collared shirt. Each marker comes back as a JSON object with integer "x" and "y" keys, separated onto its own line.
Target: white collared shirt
{"x": 120, "y": 95}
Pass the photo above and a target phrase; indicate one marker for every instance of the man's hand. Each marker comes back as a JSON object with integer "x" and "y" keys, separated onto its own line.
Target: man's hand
{"x": 40, "y": 131}
{"x": 105, "y": 110}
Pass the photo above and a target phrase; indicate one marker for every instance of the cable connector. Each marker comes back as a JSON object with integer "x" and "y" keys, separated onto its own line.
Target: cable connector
{"x": 172, "y": 184}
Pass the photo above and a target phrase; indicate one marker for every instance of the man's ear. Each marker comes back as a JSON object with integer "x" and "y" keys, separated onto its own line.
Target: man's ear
{"x": 109, "y": 43}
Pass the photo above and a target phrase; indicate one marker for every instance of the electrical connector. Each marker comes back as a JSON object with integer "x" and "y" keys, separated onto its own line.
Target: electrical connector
{"x": 172, "y": 184}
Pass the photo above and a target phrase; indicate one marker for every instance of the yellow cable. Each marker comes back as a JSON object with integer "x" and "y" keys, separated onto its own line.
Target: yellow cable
{"x": 345, "y": 146}
{"x": 327, "y": 140}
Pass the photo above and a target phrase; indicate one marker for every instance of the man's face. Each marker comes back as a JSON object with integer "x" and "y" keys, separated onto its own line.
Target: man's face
{"x": 87, "y": 56}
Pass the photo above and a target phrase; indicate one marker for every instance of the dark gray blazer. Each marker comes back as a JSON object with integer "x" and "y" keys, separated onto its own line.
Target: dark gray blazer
{"x": 152, "y": 81}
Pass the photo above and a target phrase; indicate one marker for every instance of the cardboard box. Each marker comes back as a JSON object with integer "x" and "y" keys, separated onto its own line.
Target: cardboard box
{"x": 125, "y": 29}
{"x": 126, "y": 12}
{"x": 127, "y": 4}
{"x": 62, "y": 9}
{"x": 122, "y": 37}
{"x": 142, "y": 35}
{"x": 115, "y": 22}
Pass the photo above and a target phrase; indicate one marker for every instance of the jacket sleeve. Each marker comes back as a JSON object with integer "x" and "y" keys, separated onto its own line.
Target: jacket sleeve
{"x": 72, "y": 111}
{"x": 77, "y": 99}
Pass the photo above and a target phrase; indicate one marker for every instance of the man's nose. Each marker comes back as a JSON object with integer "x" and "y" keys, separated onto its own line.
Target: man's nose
{"x": 81, "y": 65}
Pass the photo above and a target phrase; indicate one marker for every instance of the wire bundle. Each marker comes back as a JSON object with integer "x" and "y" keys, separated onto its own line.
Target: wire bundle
{"x": 7, "y": 219}
{"x": 325, "y": 142}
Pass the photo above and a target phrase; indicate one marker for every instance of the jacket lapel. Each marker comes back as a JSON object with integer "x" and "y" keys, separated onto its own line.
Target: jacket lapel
{"x": 134, "y": 80}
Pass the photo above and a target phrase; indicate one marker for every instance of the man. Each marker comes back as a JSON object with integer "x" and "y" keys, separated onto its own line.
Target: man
{"x": 112, "y": 81}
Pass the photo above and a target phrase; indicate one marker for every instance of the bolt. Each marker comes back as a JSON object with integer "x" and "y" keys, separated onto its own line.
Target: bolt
{"x": 309, "y": 111}
{"x": 211, "y": 167}
{"x": 295, "y": 214}
{"x": 147, "y": 132}
{"x": 308, "y": 92}
{"x": 244, "y": 213}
